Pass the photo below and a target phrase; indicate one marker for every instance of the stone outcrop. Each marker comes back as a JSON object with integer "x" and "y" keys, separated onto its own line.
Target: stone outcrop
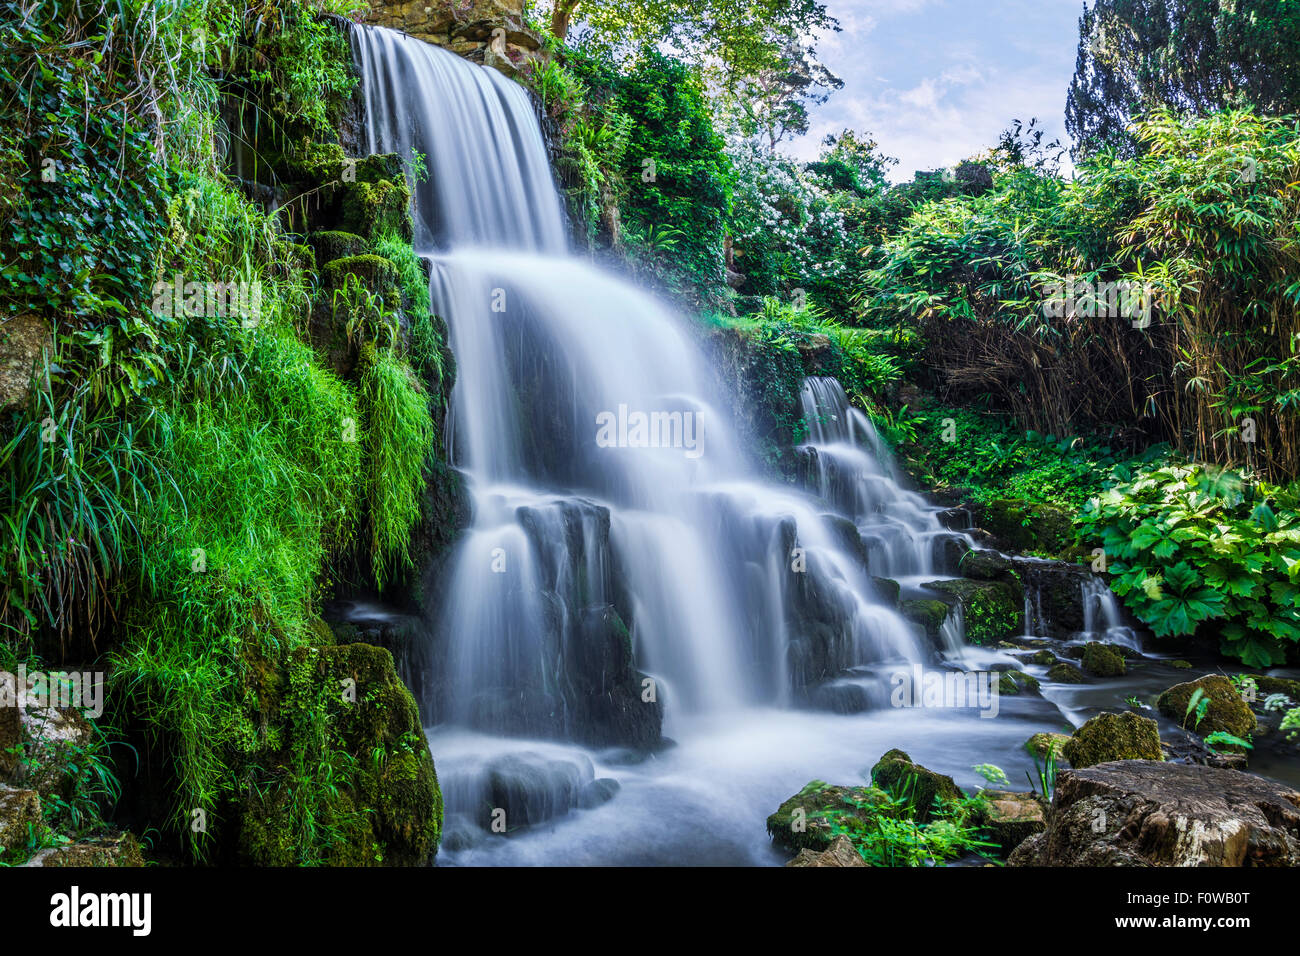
{"x": 1143, "y": 813}
{"x": 491, "y": 32}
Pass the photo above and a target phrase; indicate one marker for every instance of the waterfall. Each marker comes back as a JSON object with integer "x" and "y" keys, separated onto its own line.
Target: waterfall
{"x": 1102, "y": 618}
{"x": 624, "y": 569}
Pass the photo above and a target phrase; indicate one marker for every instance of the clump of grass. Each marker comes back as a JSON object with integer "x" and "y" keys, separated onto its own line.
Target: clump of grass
{"x": 399, "y": 437}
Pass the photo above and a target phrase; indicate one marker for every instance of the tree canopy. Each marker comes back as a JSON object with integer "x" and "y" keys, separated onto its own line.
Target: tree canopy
{"x": 1193, "y": 56}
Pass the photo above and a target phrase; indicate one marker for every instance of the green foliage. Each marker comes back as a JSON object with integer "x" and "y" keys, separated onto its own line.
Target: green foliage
{"x": 1192, "y": 546}
{"x": 1202, "y": 225}
{"x": 990, "y": 460}
{"x": 883, "y": 831}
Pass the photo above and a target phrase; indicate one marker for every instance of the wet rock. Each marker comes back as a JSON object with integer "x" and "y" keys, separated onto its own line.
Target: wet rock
{"x": 1277, "y": 685}
{"x": 601, "y": 790}
{"x": 1011, "y": 818}
{"x": 56, "y": 739}
{"x": 840, "y": 852}
{"x": 1102, "y": 660}
{"x": 1015, "y": 682}
{"x": 800, "y": 822}
{"x": 1227, "y": 712}
{"x": 1182, "y": 665}
{"x": 1043, "y": 658}
{"x": 984, "y": 565}
{"x": 991, "y": 610}
{"x": 532, "y": 788}
{"x": 887, "y": 589}
{"x": 929, "y": 614}
{"x": 1108, "y": 737}
{"x": 1063, "y": 673}
{"x": 840, "y": 698}
{"x": 1142, "y": 813}
{"x": 897, "y": 774}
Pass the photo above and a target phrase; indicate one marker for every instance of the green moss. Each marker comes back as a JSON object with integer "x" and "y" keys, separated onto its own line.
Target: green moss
{"x": 331, "y": 244}
{"x": 1028, "y": 527}
{"x": 1013, "y": 682}
{"x": 991, "y": 610}
{"x": 1063, "y": 673}
{"x": 1103, "y": 661}
{"x": 930, "y": 615}
{"x": 1227, "y": 712}
{"x": 1107, "y": 737}
{"x": 371, "y": 209}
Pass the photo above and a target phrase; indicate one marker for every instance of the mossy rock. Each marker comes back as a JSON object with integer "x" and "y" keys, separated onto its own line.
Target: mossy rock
{"x": 896, "y": 774}
{"x": 1277, "y": 685}
{"x": 1182, "y": 665}
{"x": 1227, "y": 712}
{"x": 331, "y": 244}
{"x": 372, "y": 209}
{"x": 991, "y": 610}
{"x": 1108, "y": 737}
{"x": 984, "y": 565}
{"x": 383, "y": 804}
{"x": 1027, "y": 526}
{"x": 1063, "y": 673}
{"x": 1043, "y": 658}
{"x": 1041, "y": 743}
{"x": 1102, "y": 660}
{"x": 888, "y": 590}
{"x": 929, "y": 614}
{"x": 1015, "y": 682}
{"x": 800, "y": 822}
{"x": 377, "y": 274}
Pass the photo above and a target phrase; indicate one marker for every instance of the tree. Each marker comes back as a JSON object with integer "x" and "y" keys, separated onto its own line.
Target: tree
{"x": 1192, "y": 56}
{"x": 758, "y": 56}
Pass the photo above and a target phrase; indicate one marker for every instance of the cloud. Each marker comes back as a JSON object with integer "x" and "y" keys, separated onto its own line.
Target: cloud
{"x": 936, "y": 81}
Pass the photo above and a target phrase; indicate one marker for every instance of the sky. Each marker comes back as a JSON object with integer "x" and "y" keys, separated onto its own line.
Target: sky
{"x": 935, "y": 81}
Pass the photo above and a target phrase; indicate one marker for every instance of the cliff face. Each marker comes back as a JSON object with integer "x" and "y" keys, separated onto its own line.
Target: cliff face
{"x": 491, "y": 32}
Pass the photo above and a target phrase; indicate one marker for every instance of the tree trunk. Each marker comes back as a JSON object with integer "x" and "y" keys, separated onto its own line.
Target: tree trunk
{"x": 560, "y": 17}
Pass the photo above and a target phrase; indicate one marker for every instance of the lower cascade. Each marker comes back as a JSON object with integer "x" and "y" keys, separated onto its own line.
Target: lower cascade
{"x": 635, "y": 628}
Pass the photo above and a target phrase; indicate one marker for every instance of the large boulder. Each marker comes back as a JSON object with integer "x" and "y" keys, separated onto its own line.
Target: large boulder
{"x": 1108, "y": 737}
{"x": 1143, "y": 813}
{"x": 1227, "y": 712}
{"x": 896, "y": 773}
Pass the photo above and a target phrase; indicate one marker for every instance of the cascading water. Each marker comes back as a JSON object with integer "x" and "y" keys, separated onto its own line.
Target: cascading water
{"x": 624, "y": 573}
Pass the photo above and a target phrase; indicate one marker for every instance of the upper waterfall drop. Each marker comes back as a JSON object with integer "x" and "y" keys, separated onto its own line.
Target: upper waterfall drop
{"x": 503, "y": 194}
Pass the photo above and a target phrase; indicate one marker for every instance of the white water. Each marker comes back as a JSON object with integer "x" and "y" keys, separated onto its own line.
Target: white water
{"x": 742, "y": 598}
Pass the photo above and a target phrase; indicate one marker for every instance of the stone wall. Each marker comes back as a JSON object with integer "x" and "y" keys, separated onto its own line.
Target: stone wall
{"x": 491, "y": 32}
